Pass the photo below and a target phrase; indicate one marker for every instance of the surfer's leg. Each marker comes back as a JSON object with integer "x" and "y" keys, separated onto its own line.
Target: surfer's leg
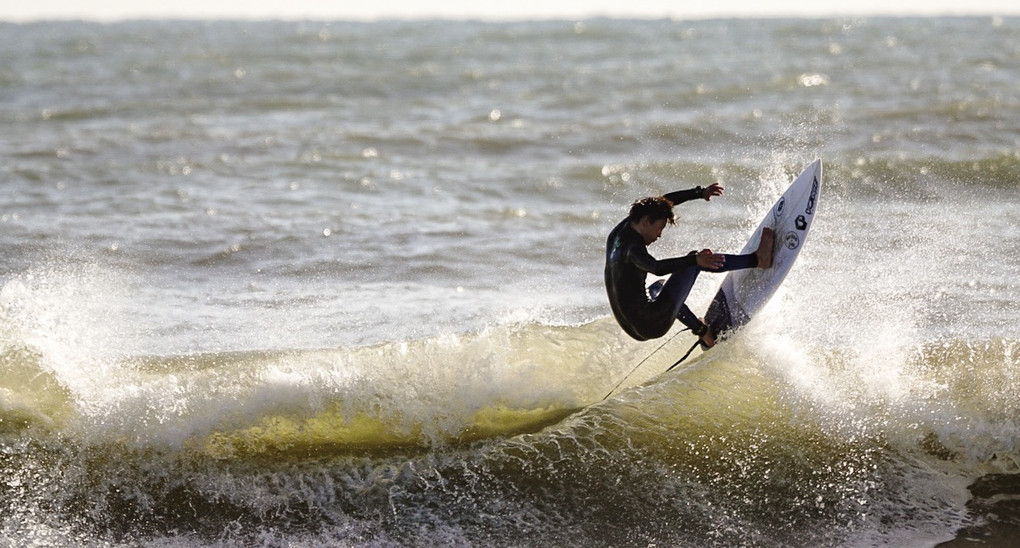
{"x": 677, "y": 289}
{"x": 762, "y": 258}
{"x": 735, "y": 262}
{"x": 679, "y": 285}
{"x": 688, "y": 318}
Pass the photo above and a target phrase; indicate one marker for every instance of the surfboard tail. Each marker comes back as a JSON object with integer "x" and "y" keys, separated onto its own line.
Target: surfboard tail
{"x": 719, "y": 317}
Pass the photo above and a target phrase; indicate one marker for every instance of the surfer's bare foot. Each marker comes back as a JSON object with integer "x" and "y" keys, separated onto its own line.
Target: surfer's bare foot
{"x": 708, "y": 340}
{"x": 706, "y": 336}
{"x": 764, "y": 253}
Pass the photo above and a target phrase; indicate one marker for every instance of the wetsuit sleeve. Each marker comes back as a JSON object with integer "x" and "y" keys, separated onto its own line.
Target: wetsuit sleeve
{"x": 640, "y": 258}
{"x": 681, "y": 196}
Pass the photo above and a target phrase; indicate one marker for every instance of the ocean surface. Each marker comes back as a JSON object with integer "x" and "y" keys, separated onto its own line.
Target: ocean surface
{"x": 340, "y": 284}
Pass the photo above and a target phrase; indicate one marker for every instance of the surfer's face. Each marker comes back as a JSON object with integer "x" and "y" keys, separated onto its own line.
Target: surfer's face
{"x": 650, "y": 230}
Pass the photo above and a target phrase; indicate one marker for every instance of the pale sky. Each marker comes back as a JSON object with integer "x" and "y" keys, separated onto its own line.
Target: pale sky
{"x": 108, "y": 10}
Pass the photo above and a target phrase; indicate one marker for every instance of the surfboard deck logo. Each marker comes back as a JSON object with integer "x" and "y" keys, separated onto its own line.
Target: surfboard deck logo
{"x": 791, "y": 240}
{"x": 810, "y": 209}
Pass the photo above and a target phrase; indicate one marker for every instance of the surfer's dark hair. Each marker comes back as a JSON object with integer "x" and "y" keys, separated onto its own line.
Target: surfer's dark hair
{"x": 654, "y": 207}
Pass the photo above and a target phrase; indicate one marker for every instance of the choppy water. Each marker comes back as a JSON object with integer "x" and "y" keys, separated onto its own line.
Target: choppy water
{"x": 316, "y": 283}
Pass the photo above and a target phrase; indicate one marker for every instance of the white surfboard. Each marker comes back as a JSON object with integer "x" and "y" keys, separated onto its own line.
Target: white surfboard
{"x": 744, "y": 292}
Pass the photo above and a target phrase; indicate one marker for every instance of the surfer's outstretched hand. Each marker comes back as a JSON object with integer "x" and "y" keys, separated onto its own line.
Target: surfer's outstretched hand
{"x": 712, "y": 190}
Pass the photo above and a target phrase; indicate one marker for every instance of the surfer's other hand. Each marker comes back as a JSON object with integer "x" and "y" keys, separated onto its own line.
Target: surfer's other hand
{"x": 710, "y": 261}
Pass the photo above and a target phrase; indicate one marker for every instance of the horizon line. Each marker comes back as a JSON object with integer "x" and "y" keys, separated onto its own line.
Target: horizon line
{"x": 326, "y": 18}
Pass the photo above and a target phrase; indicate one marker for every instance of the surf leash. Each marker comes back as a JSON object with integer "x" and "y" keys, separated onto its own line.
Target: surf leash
{"x": 696, "y": 343}
{"x": 652, "y": 353}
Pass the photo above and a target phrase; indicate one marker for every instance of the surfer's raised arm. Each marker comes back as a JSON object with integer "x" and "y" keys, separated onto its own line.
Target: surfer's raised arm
{"x": 696, "y": 193}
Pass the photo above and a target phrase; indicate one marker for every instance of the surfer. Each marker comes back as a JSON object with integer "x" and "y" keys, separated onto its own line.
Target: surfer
{"x": 649, "y": 314}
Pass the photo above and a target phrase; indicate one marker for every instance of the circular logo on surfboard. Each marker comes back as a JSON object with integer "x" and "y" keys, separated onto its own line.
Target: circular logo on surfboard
{"x": 791, "y": 240}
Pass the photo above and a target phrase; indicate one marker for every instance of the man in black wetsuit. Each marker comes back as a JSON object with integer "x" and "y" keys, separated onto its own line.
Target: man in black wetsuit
{"x": 647, "y": 316}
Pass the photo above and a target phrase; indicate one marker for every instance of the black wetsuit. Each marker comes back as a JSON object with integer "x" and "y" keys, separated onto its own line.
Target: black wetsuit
{"x": 627, "y": 265}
